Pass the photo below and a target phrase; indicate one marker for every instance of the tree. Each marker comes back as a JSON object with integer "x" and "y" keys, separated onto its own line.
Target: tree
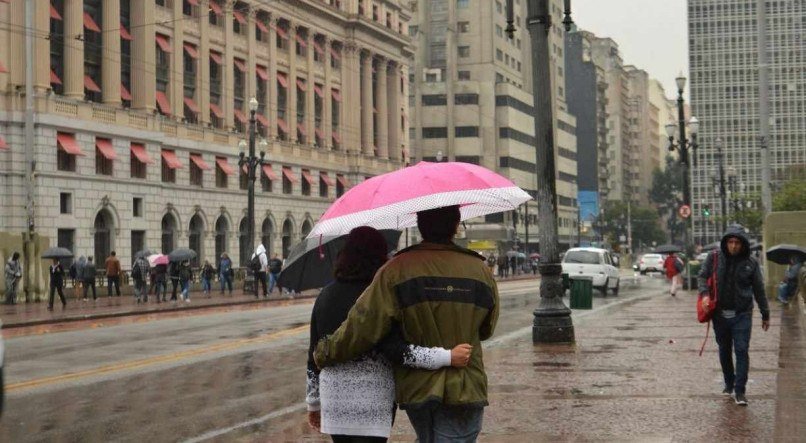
{"x": 791, "y": 197}
{"x": 667, "y": 193}
{"x": 613, "y": 223}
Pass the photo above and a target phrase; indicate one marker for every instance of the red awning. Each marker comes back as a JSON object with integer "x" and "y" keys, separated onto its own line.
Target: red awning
{"x": 199, "y": 161}
{"x": 3, "y": 69}
{"x": 262, "y": 26}
{"x": 318, "y": 91}
{"x": 216, "y": 110}
{"x": 216, "y": 57}
{"x": 326, "y": 178}
{"x": 90, "y": 84}
{"x": 301, "y": 84}
{"x": 67, "y": 143}
{"x": 343, "y": 180}
{"x": 319, "y": 133}
{"x": 336, "y": 137}
{"x": 307, "y": 176}
{"x": 240, "y": 116}
{"x": 262, "y": 72}
{"x": 238, "y": 16}
{"x": 124, "y": 33}
{"x": 334, "y": 53}
{"x": 163, "y": 103}
{"x": 105, "y": 147}
{"x": 289, "y": 174}
{"x": 240, "y": 64}
{"x": 54, "y": 79}
{"x": 191, "y": 105}
{"x": 222, "y": 163}
{"x": 171, "y": 160}
{"x": 336, "y": 95}
{"x": 3, "y": 144}
{"x": 124, "y": 93}
{"x": 163, "y": 43}
{"x": 282, "y": 79}
{"x": 191, "y": 50}
{"x": 215, "y": 8}
{"x": 262, "y": 119}
{"x": 282, "y": 125}
{"x": 90, "y": 24}
{"x": 140, "y": 152}
{"x": 54, "y": 14}
{"x": 318, "y": 48}
{"x": 301, "y": 40}
{"x": 282, "y": 33}
{"x": 269, "y": 172}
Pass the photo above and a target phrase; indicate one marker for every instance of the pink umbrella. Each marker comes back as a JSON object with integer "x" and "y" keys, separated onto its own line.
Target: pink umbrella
{"x": 157, "y": 259}
{"x": 392, "y": 200}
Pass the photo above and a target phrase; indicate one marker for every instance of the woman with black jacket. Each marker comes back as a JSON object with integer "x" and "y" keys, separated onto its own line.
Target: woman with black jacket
{"x": 56, "y": 283}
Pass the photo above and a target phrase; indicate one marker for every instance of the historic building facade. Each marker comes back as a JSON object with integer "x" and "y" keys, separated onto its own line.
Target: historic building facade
{"x": 139, "y": 108}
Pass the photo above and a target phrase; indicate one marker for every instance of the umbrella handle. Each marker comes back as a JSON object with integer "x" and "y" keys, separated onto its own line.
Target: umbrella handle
{"x": 321, "y": 249}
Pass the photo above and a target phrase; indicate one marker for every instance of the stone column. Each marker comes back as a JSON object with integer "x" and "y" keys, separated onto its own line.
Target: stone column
{"x": 73, "y": 80}
{"x": 272, "y": 83}
{"x": 110, "y": 65}
{"x": 292, "y": 83}
{"x": 144, "y": 74}
{"x": 367, "y": 123}
{"x": 310, "y": 94}
{"x": 393, "y": 94}
{"x": 228, "y": 95}
{"x": 403, "y": 106}
{"x": 13, "y": 44}
{"x": 41, "y": 47}
{"x": 383, "y": 112}
{"x": 351, "y": 96}
{"x": 204, "y": 66}
{"x": 327, "y": 109}
{"x": 176, "y": 89}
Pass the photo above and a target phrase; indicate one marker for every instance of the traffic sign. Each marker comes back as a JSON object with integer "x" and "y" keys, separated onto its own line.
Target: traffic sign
{"x": 684, "y": 211}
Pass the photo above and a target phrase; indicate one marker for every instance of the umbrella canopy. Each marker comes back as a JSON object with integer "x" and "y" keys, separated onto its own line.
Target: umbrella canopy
{"x": 511, "y": 254}
{"x": 310, "y": 266}
{"x": 392, "y": 200}
{"x": 668, "y": 249}
{"x": 157, "y": 259}
{"x": 182, "y": 254}
{"x": 711, "y": 246}
{"x": 56, "y": 252}
{"x": 144, "y": 253}
{"x": 781, "y": 254}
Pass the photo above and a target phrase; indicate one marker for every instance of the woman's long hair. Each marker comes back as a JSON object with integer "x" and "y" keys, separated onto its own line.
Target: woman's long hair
{"x": 361, "y": 257}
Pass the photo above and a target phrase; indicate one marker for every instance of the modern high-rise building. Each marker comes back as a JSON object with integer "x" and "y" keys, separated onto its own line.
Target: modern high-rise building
{"x": 473, "y": 102}
{"x": 140, "y": 106}
{"x": 723, "y": 62}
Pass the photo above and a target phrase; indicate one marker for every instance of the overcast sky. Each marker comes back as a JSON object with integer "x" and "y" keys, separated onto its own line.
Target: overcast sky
{"x": 652, "y": 34}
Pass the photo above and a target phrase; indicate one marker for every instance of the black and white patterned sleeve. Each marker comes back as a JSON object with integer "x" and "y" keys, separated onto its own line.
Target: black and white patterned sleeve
{"x": 399, "y": 352}
{"x": 312, "y": 383}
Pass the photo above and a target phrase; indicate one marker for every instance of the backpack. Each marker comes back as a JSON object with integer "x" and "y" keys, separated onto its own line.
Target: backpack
{"x": 275, "y": 265}
{"x": 678, "y": 265}
{"x": 137, "y": 271}
{"x": 254, "y": 264}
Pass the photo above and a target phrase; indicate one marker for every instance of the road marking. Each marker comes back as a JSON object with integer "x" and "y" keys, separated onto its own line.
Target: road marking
{"x": 255, "y": 421}
{"x": 134, "y": 364}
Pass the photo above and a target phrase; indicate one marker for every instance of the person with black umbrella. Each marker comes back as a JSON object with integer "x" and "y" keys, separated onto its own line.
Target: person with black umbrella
{"x": 56, "y": 283}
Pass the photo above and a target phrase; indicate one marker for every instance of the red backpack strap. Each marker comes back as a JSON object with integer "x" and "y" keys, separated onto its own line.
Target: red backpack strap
{"x": 714, "y": 273}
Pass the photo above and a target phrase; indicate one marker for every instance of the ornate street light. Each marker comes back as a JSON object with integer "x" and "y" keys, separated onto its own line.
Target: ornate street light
{"x": 682, "y": 145}
{"x": 251, "y": 162}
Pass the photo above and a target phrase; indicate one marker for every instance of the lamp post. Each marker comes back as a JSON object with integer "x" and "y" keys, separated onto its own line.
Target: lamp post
{"x": 734, "y": 188}
{"x": 719, "y": 184}
{"x": 251, "y": 162}
{"x": 682, "y": 146}
{"x": 552, "y": 319}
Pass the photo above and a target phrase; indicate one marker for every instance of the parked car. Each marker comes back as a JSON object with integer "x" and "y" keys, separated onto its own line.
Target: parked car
{"x": 651, "y": 263}
{"x": 595, "y": 263}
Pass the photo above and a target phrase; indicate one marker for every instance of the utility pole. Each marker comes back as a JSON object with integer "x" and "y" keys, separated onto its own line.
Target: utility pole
{"x": 552, "y": 319}
{"x": 764, "y": 106}
{"x": 29, "y": 238}
{"x": 629, "y": 227}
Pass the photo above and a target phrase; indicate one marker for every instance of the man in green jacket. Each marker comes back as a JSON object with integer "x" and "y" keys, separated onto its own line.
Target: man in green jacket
{"x": 437, "y": 294}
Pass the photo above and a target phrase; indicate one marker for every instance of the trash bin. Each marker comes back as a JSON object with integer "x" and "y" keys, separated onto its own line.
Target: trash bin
{"x": 581, "y": 293}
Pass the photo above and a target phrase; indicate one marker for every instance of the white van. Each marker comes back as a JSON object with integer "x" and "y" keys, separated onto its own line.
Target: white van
{"x": 595, "y": 263}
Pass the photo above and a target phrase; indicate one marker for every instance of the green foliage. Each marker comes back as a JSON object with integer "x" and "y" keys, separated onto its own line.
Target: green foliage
{"x": 791, "y": 197}
{"x": 667, "y": 193}
{"x": 645, "y": 224}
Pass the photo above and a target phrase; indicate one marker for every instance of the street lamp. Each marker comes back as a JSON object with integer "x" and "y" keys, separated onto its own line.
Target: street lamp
{"x": 552, "y": 319}
{"x": 251, "y": 162}
{"x": 734, "y": 188}
{"x": 682, "y": 146}
{"x": 719, "y": 184}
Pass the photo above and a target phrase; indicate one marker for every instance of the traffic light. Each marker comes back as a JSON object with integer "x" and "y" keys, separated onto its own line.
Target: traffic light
{"x": 706, "y": 211}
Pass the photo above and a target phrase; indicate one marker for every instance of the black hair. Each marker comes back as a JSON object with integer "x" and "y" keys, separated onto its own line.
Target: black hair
{"x": 438, "y": 225}
{"x": 361, "y": 257}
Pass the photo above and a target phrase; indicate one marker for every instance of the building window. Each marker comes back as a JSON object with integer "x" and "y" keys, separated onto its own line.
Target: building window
{"x": 216, "y": 13}
{"x": 57, "y": 46}
{"x": 137, "y": 166}
{"x": 239, "y": 24}
{"x": 435, "y": 100}
{"x": 282, "y": 36}
{"x": 168, "y": 171}
{"x": 220, "y": 174}
{"x": 464, "y": 75}
{"x": 464, "y": 27}
{"x": 137, "y": 207}
{"x": 499, "y": 55}
{"x": 301, "y": 134}
{"x": 466, "y": 131}
{"x": 323, "y": 188}
{"x": 65, "y": 203}
{"x": 462, "y": 4}
{"x": 466, "y": 99}
{"x": 306, "y": 182}
{"x": 288, "y": 187}
{"x": 189, "y": 9}
{"x": 138, "y": 241}
{"x": 103, "y": 156}
{"x": 464, "y": 51}
{"x": 216, "y": 114}
{"x": 301, "y": 43}
{"x": 93, "y": 21}
{"x": 266, "y": 183}
{"x": 189, "y": 61}
{"x": 196, "y": 173}
{"x": 441, "y": 132}
{"x": 339, "y": 185}
{"x": 65, "y": 161}
{"x": 65, "y": 238}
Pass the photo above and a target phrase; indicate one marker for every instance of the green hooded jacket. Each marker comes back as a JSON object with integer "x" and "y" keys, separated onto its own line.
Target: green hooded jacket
{"x": 438, "y": 295}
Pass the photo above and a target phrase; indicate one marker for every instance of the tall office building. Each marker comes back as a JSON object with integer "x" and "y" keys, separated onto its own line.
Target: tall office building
{"x": 140, "y": 106}
{"x": 472, "y": 102}
{"x": 723, "y": 61}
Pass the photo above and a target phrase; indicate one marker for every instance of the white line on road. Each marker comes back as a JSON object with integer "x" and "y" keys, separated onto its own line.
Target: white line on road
{"x": 252, "y": 422}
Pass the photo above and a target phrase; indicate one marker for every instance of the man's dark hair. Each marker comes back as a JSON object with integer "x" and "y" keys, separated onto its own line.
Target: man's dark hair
{"x": 16, "y": 256}
{"x": 113, "y": 253}
{"x": 438, "y": 225}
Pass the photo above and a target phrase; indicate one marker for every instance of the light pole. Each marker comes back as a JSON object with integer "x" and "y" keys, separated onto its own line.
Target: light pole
{"x": 734, "y": 188}
{"x": 682, "y": 146}
{"x": 251, "y": 162}
{"x": 719, "y": 184}
{"x": 552, "y": 319}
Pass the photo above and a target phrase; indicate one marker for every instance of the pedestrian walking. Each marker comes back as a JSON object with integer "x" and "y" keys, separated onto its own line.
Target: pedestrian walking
{"x": 789, "y": 286}
{"x": 140, "y": 271}
{"x": 225, "y": 273}
{"x": 13, "y": 274}
{"x": 513, "y": 265}
{"x": 275, "y": 266}
{"x": 112, "y": 265}
{"x": 56, "y": 283}
{"x": 439, "y": 294}
{"x": 503, "y": 266}
{"x": 173, "y": 274}
{"x": 207, "y": 274}
{"x": 738, "y": 281}
{"x": 185, "y": 277}
{"x": 89, "y": 273}
{"x": 674, "y": 266}
{"x": 354, "y": 401}
{"x": 160, "y": 279}
{"x": 260, "y": 267}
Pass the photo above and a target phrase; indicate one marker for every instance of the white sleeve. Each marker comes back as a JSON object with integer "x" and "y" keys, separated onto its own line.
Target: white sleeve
{"x": 426, "y": 358}
{"x": 312, "y": 391}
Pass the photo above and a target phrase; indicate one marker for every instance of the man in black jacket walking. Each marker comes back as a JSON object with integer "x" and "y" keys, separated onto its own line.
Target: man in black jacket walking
{"x": 739, "y": 281}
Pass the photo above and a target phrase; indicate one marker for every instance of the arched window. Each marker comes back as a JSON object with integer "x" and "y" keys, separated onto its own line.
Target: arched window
{"x": 221, "y": 228}
{"x": 243, "y": 242}
{"x": 267, "y": 236}
{"x": 168, "y": 233}
{"x": 288, "y": 230}
{"x": 196, "y": 230}
{"x": 103, "y": 235}
{"x": 306, "y": 229}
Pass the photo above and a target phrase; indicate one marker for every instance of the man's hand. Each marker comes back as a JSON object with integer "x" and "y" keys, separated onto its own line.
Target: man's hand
{"x": 765, "y": 324}
{"x": 314, "y": 420}
{"x": 460, "y": 355}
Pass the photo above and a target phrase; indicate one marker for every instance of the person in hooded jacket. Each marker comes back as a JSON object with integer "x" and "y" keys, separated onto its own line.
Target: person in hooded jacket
{"x": 89, "y": 273}
{"x": 739, "y": 281}
{"x": 13, "y": 274}
{"x": 262, "y": 274}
